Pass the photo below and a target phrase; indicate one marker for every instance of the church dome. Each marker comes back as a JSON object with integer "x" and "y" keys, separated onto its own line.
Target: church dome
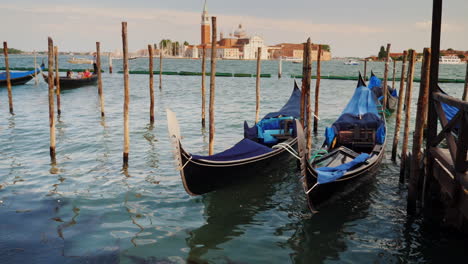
{"x": 240, "y": 32}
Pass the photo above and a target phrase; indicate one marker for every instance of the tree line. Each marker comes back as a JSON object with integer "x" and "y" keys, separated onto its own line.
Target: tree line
{"x": 169, "y": 47}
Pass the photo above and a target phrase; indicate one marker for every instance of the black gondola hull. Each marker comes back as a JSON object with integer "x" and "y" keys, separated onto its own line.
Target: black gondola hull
{"x": 200, "y": 176}
{"x": 327, "y": 192}
{"x": 70, "y": 83}
{"x": 17, "y": 81}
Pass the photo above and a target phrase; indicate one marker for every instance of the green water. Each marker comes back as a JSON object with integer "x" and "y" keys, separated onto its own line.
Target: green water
{"x": 87, "y": 209}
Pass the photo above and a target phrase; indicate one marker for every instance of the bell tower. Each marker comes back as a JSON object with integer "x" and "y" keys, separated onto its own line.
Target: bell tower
{"x": 205, "y": 26}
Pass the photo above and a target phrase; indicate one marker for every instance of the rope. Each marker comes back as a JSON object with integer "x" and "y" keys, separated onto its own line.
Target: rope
{"x": 311, "y": 188}
{"x": 288, "y": 149}
{"x": 186, "y": 163}
{"x": 317, "y": 154}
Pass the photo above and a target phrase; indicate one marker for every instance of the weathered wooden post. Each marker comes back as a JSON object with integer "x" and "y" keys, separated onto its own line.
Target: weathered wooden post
{"x": 99, "y": 74}
{"x": 303, "y": 89}
{"x": 110, "y": 62}
{"x": 126, "y": 96}
{"x": 257, "y": 85}
{"x": 385, "y": 91}
{"x": 365, "y": 69}
{"x": 306, "y": 78}
{"x": 421, "y": 116}
{"x": 51, "y": 99}
{"x": 160, "y": 67}
{"x": 280, "y": 67}
{"x": 36, "y": 80}
{"x": 465, "y": 91}
{"x": 409, "y": 88}
{"x": 212, "y": 84}
{"x": 432, "y": 119}
{"x": 7, "y": 69}
{"x": 151, "y": 80}
{"x": 317, "y": 89}
{"x": 394, "y": 70}
{"x": 57, "y": 81}
{"x": 401, "y": 96}
{"x": 203, "y": 88}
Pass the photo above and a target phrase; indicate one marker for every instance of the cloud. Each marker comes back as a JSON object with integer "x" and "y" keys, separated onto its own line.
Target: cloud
{"x": 446, "y": 27}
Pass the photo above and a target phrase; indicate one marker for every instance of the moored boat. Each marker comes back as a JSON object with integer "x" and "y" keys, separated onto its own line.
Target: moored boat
{"x": 70, "y": 82}
{"x": 450, "y": 60}
{"x": 18, "y": 78}
{"x": 375, "y": 84}
{"x": 353, "y": 149}
{"x": 267, "y": 144}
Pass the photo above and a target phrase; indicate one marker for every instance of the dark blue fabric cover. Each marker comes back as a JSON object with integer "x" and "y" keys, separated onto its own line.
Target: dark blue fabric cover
{"x": 330, "y": 174}
{"x": 14, "y": 75}
{"x": 250, "y": 132}
{"x": 374, "y": 82}
{"x": 348, "y": 121}
{"x": 292, "y": 106}
{"x": 450, "y": 111}
{"x": 245, "y": 148}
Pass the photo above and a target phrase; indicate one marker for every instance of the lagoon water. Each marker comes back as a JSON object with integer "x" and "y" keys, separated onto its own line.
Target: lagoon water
{"x": 86, "y": 209}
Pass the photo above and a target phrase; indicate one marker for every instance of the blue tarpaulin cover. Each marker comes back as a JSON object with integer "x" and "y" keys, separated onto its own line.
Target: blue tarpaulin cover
{"x": 14, "y": 75}
{"x": 375, "y": 84}
{"x": 362, "y": 102}
{"x": 330, "y": 174}
{"x": 245, "y": 148}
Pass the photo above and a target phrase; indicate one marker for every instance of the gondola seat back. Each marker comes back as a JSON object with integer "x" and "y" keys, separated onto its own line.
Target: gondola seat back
{"x": 273, "y": 130}
{"x": 357, "y": 139}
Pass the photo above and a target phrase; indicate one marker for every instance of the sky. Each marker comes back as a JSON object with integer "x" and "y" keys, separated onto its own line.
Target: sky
{"x": 352, "y": 28}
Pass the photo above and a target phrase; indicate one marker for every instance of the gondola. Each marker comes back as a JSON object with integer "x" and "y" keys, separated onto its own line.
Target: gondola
{"x": 68, "y": 83}
{"x": 353, "y": 148}
{"x": 19, "y": 78}
{"x": 268, "y": 143}
{"x": 375, "y": 84}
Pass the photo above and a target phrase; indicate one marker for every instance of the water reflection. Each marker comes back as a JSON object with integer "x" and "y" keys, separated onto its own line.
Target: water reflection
{"x": 322, "y": 236}
{"x": 229, "y": 211}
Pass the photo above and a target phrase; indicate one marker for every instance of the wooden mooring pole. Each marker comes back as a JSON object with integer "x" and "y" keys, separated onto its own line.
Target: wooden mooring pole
{"x": 421, "y": 116}
{"x": 51, "y": 99}
{"x": 151, "y": 83}
{"x": 36, "y": 80}
{"x": 384, "y": 103}
{"x": 126, "y": 149}
{"x": 160, "y": 67}
{"x": 110, "y": 62}
{"x": 409, "y": 88}
{"x": 57, "y": 81}
{"x": 99, "y": 74}
{"x": 365, "y": 69}
{"x": 280, "y": 67}
{"x": 7, "y": 70}
{"x": 401, "y": 95}
{"x": 257, "y": 85}
{"x": 394, "y": 70}
{"x": 203, "y": 87}
{"x": 465, "y": 91}
{"x": 212, "y": 84}
{"x": 306, "y": 79}
{"x": 317, "y": 89}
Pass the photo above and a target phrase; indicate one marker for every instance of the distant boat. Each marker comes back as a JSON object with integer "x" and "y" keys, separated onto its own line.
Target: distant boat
{"x": 80, "y": 61}
{"x": 351, "y": 62}
{"x": 18, "y": 78}
{"x": 450, "y": 60}
{"x": 68, "y": 83}
{"x": 132, "y": 58}
{"x": 297, "y": 61}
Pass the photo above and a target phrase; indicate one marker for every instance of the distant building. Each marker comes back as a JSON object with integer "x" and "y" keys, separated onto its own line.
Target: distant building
{"x": 205, "y": 27}
{"x": 296, "y": 52}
